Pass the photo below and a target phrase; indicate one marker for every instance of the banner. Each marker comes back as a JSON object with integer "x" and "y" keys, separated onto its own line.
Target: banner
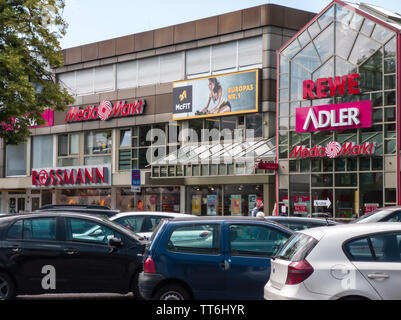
{"x": 212, "y": 205}
{"x": 235, "y": 204}
{"x": 216, "y": 95}
{"x": 196, "y": 204}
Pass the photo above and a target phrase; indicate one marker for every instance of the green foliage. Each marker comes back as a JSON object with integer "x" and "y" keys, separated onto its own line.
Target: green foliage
{"x": 29, "y": 44}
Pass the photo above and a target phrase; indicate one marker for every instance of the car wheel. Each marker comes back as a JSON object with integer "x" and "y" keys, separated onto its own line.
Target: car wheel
{"x": 172, "y": 292}
{"x": 7, "y": 287}
{"x": 135, "y": 288}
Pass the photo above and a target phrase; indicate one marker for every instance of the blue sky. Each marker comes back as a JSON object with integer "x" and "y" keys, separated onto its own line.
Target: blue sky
{"x": 96, "y": 20}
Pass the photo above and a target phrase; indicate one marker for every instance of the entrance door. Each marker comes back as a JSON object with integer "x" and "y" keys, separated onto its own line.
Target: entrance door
{"x": 35, "y": 202}
{"x": 16, "y": 203}
{"x": 346, "y": 203}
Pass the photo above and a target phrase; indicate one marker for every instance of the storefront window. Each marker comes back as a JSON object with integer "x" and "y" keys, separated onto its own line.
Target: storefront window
{"x": 240, "y": 200}
{"x": 89, "y": 196}
{"x": 204, "y": 200}
{"x": 68, "y": 149}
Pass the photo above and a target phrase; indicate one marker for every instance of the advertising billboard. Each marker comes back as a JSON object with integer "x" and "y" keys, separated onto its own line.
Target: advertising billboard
{"x": 216, "y": 95}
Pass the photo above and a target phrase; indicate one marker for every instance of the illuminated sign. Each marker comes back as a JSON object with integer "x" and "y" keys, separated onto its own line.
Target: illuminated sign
{"x": 347, "y": 115}
{"x": 216, "y": 95}
{"x": 333, "y": 149}
{"x": 106, "y": 111}
{"x": 72, "y": 176}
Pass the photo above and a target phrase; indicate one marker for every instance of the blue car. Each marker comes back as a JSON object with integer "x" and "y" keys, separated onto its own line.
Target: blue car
{"x": 210, "y": 258}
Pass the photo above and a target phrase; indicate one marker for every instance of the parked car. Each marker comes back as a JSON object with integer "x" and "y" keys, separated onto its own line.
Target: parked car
{"x": 387, "y": 214}
{"x": 87, "y": 209}
{"x": 301, "y": 223}
{"x": 144, "y": 222}
{"x": 210, "y": 258}
{"x": 353, "y": 261}
{"x": 108, "y": 260}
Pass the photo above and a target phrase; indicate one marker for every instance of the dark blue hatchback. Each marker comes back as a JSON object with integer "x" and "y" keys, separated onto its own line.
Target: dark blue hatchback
{"x": 210, "y": 258}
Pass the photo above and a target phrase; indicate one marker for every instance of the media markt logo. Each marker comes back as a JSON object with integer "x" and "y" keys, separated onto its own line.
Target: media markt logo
{"x": 106, "y": 111}
{"x": 334, "y": 149}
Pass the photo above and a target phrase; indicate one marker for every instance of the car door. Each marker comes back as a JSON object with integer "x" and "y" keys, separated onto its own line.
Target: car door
{"x": 194, "y": 253}
{"x": 250, "y": 247}
{"x": 34, "y": 251}
{"x": 90, "y": 264}
{"x": 383, "y": 271}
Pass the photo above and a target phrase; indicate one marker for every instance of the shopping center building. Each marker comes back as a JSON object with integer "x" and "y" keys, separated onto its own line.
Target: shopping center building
{"x": 200, "y": 107}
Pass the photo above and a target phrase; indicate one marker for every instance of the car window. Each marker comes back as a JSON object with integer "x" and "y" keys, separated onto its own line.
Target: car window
{"x": 154, "y": 222}
{"x": 297, "y": 247}
{"x": 15, "y": 231}
{"x": 387, "y": 247}
{"x": 39, "y": 229}
{"x": 394, "y": 217}
{"x": 93, "y": 232}
{"x": 132, "y": 223}
{"x": 296, "y": 226}
{"x": 359, "y": 250}
{"x": 255, "y": 240}
{"x": 200, "y": 238}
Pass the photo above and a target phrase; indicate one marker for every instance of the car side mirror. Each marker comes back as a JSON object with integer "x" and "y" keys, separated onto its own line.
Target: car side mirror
{"x": 115, "y": 243}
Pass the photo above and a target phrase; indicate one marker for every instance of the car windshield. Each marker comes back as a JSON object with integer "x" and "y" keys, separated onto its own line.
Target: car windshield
{"x": 119, "y": 227}
{"x": 297, "y": 247}
{"x": 374, "y": 216}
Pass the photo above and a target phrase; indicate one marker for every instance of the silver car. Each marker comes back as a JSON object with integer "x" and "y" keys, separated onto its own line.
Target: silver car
{"x": 354, "y": 261}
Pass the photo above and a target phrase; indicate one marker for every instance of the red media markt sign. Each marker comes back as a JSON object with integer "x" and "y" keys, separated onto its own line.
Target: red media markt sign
{"x": 106, "y": 110}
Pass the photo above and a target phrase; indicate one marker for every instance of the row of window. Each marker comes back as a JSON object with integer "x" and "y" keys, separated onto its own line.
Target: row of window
{"x": 136, "y": 145}
{"x": 226, "y": 57}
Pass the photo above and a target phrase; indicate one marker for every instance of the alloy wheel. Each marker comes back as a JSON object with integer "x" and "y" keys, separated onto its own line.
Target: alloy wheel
{"x": 4, "y": 288}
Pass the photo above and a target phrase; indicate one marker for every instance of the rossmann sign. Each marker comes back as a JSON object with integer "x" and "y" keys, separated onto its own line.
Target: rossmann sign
{"x": 339, "y": 116}
{"x": 72, "y": 176}
{"x": 106, "y": 110}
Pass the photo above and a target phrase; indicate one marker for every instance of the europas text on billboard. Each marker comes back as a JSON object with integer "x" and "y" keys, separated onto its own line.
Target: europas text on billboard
{"x": 216, "y": 95}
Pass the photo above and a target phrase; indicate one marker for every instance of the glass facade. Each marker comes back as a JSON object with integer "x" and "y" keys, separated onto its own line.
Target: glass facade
{"x": 339, "y": 42}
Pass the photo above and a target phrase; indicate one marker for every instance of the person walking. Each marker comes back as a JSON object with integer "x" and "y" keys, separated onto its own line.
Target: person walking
{"x": 258, "y": 207}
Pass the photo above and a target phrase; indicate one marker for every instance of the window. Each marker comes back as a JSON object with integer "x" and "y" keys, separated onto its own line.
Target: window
{"x": 104, "y": 78}
{"x": 40, "y": 229}
{"x": 132, "y": 223}
{"x": 386, "y": 247}
{"x": 98, "y": 145}
{"x": 68, "y": 149}
{"x": 297, "y": 247}
{"x": 359, "y": 250}
{"x": 88, "y": 231}
{"x": 199, "y": 238}
{"x": 255, "y": 240}
{"x": 15, "y": 231}
{"x": 16, "y": 160}
{"x": 42, "y": 151}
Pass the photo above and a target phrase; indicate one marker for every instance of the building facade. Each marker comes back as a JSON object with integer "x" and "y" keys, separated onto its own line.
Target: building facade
{"x": 125, "y": 117}
{"x": 338, "y": 132}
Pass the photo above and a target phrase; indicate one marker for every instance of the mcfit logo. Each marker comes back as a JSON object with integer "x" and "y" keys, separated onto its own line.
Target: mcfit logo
{"x": 106, "y": 111}
{"x": 182, "y": 99}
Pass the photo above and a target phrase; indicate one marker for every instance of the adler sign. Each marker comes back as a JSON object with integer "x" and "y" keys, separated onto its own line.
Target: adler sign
{"x": 347, "y": 115}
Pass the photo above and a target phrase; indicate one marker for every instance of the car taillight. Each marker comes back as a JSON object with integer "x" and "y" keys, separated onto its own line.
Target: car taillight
{"x": 298, "y": 272}
{"x": 149, "y": 266}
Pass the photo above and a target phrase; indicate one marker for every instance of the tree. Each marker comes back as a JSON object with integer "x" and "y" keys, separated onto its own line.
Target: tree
{"x": 29, "y": 44}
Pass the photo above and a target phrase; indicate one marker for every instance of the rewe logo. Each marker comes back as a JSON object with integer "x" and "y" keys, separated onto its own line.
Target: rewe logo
{"x": 333, "y": 149}
{"x": 106, "y": 111}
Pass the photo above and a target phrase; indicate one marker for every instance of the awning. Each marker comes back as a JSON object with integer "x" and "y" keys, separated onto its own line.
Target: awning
{"x": 221, "y": 153}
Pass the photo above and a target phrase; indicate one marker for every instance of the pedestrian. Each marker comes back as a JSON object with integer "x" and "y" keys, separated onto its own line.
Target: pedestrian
{"x": 274, "y": 212}
{"x": 258, "y": 207}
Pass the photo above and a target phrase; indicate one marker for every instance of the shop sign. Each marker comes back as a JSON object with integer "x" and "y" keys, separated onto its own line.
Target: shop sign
{"x": 300, "y": 208}
{"x": 369, "y": 207}
{"x": 334, "y": 149}
{"x": 72, "y": 176}
{"x": 106, "y": 111}
{"x": 267, "y": 165}
{"x": 212, "y": 96}
{"x": 339, "y": 116}
{"x": 322, "y": 203}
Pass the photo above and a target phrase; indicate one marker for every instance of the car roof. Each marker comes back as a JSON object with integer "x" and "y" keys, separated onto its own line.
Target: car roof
{"x": 57, "y": 213}
{"x": 300, "y": 219}
{"x": 226, "y": 218}
{"x": 343, "y": 232}
{"x": 149, "y": 213}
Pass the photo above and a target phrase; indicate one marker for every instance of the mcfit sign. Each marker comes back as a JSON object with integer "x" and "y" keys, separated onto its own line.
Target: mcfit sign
{"x": 106, "y": 110}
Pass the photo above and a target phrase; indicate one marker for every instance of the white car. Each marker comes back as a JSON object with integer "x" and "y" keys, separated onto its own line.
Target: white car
{"x": 144, "y": 222}
{"x": 354, "y": 261}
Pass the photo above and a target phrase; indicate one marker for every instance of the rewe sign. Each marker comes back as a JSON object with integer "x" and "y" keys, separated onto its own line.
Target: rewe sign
{"x": 106, "y": 111}
{"x": 333, "y": 149}
{"x": 339, "y": 116}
